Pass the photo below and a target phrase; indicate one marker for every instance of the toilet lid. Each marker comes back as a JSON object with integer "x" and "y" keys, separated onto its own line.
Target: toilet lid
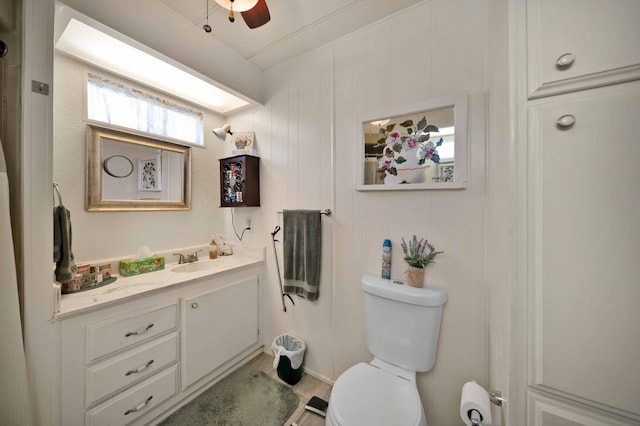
{"x": 367, "y": 395}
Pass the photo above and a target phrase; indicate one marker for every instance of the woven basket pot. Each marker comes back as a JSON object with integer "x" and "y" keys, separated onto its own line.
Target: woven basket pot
{"x": 415, "y": 276}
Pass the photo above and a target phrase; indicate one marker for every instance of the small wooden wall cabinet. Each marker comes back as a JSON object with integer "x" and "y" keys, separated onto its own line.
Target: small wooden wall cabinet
{"x": 240, "y": 181}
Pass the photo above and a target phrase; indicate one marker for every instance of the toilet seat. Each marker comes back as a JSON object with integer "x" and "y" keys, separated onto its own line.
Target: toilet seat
{"x": 368, "y": 395}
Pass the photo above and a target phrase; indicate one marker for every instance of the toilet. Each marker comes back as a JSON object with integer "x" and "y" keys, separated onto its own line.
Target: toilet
{"x": 402, "y": 326}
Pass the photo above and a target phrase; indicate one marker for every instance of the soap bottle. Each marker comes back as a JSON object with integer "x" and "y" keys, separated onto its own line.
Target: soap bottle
{"x": 386, "y": 259}
{"x": 213, "y": 249}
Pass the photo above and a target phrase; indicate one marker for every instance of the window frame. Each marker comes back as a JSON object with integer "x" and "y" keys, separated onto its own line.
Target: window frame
{"x": 146, "y": 90}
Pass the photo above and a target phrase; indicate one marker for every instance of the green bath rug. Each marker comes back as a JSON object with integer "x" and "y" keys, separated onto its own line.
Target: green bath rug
{"x": 246, "y": 397}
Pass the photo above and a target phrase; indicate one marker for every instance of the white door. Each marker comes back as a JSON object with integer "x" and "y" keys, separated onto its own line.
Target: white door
{"x": 584, "y": 258}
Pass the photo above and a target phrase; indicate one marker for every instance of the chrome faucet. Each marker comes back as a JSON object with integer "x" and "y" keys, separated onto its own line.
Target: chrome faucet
{"x": 189, "y": 258}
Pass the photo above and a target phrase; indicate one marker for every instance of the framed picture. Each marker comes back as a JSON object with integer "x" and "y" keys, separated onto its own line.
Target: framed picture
{"x": 150, "y": 174}
{"x": 242, "y": 143}
{"x": 446, "y": 172}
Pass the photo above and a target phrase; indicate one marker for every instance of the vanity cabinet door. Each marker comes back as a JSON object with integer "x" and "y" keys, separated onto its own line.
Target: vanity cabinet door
{"x": 579, "y": 44}
{"x": 584, "y": 210}
{"x": 220, "y": 324}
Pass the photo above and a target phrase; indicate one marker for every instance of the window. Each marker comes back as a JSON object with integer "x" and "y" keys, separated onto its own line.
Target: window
{"x": 113, "y": 103}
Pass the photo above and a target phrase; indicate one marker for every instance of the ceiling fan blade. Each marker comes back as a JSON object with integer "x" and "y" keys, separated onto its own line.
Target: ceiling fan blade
{"x": 258, "y": 15}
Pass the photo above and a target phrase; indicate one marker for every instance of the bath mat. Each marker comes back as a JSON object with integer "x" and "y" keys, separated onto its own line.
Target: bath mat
{"x": 246, "y": 397}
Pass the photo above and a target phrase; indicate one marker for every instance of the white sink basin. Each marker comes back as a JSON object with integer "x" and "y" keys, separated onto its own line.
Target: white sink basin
{"x": 201, "y": 265}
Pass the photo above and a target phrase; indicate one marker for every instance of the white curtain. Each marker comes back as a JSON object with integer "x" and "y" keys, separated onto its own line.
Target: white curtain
{"x": 114, "y": 103}
{"x": 15, "y": 407}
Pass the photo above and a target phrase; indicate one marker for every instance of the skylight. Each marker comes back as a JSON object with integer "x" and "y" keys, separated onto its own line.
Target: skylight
{"x": 95, "y": 47}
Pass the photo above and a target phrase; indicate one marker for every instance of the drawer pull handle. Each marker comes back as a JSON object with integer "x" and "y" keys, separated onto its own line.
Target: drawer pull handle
{"x": 565, "y": 61}
{"x": 136, "y": 333}
{"x": 194, "y": 306}
{"x": 139, "y": 369}
{"x": 566, "y": 121}
{"x": 139, "y": 407}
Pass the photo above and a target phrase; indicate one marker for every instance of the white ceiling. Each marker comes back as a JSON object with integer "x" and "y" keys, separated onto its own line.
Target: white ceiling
{"x": 296, "y": 26}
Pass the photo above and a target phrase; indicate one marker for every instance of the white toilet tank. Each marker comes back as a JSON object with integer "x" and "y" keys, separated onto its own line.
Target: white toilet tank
{"x": 402, "y": 322}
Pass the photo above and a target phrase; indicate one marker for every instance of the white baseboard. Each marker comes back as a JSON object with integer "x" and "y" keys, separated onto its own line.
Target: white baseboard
{"x": 318, "y": 376}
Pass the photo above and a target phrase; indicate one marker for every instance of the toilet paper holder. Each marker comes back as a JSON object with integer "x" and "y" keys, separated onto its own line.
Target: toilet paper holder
{"x": 495, "y": 396}
{"x": 475, "y": 417}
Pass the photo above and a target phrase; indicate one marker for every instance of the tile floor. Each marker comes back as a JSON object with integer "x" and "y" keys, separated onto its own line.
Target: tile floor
{"x": 307, "y": 387}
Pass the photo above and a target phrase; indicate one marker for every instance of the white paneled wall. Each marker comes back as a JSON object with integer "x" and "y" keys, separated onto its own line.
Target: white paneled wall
{"x": 305, "y": 137}
{"x": 294, "y": 140}
{"x": 99, "y": 235}
{"x": 498, "y": 206}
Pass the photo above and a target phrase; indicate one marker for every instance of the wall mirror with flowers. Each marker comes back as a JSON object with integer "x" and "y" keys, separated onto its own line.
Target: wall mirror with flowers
{"x": 418, "y": 146}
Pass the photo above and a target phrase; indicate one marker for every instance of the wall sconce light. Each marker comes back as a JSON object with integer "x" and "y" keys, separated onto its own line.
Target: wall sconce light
{"x": 221, "y": 132}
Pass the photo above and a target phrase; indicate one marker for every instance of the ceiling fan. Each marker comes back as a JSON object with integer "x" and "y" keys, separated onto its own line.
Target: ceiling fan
{"x": 254, "y": 12}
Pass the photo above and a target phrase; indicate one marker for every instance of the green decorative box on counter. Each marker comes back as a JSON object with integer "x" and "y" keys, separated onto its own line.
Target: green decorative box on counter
{"x": 129, "y": 268}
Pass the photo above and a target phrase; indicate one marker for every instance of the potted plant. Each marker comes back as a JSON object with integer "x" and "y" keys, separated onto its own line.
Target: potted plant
{"x": 417, "y": 256}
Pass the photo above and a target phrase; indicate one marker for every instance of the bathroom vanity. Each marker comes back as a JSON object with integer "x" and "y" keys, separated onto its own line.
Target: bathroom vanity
{"x": 136, "y": 350}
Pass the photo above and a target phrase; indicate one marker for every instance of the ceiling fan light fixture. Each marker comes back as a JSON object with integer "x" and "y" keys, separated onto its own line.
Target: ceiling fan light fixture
{"x": 206, "y": 27}
{"x": 237, "y": 5}
{"x": 258, "y": 16}
{"x": 232, "y": 17}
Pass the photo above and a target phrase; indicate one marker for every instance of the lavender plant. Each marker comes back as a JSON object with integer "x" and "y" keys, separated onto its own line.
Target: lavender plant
{"x": 415, "y": 253}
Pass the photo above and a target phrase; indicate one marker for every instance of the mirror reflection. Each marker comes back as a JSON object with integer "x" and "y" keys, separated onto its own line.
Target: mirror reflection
{"x": 413, "y": 148}
{"x": 129, "y": 172}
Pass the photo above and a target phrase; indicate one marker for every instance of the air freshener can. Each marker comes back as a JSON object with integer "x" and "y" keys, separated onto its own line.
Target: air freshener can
{"x": 386, "y": 259}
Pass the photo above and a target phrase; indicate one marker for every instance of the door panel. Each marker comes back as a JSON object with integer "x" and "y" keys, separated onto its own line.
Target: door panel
{"x": 597, "y": 39}
{"x": 220, "y": 325}
{"x": 585, "y": 204}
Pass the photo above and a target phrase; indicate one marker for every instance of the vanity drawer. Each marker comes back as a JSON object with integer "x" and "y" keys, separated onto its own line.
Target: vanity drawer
{"x": 109, "y": 336}
{"x": 116, "y": 373}
{"x": 128, "y": 406}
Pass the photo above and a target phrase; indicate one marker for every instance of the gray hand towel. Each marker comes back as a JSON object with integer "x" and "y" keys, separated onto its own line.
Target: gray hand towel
{"x": 62, "y": 254}
{"x": 302, "y": 248}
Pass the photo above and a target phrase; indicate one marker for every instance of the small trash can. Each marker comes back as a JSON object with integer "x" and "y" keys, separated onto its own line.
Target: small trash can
{"x": 288, "y": 351}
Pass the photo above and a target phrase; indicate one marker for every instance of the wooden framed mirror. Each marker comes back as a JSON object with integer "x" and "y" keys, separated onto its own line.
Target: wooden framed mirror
{"x": 416, "y": 146}
{"x": 127, "y": 172}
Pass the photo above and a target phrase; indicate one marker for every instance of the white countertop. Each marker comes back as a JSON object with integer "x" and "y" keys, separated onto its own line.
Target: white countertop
{"x": 128, "y": 287}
